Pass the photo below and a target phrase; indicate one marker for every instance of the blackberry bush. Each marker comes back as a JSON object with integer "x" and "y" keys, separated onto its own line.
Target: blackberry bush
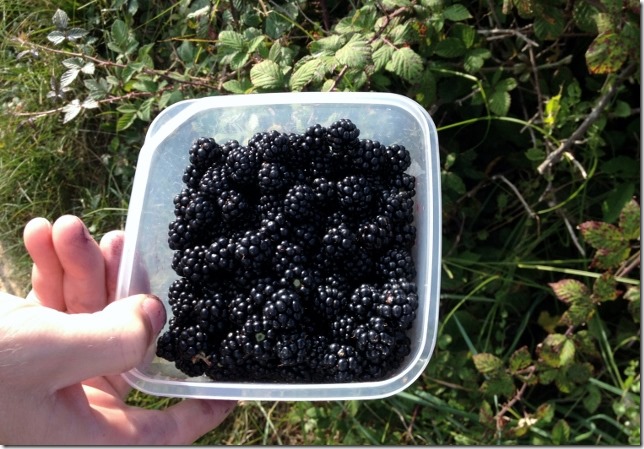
{"x": 294, "y": 257}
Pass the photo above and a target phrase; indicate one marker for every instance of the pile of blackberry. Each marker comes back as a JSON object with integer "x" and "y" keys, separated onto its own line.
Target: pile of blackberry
{"x": 293, "y": 256}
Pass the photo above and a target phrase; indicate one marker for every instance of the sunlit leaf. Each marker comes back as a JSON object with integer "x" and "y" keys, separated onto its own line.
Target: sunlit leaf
{"x": 267, "y": 75}
{"x": 356, "y": 53}
{"x": 60, "y": 19}
{"x": 71, "y": 110}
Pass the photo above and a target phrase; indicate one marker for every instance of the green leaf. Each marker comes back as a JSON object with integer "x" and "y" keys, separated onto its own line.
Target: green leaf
{"x": 592, "y": 399}
{"x": 68, "y": 77}
{"x": 520, "y": 359}
{"x": 73, "y": 34}
{"x": 56, "y": 37}
{"x": 570, "y": 290}
{"x": 499, "y": 102}
{"x": 549, "y": 23}
{"x": 278, "y": 22}
{"x": 71, "y": 110}
{"x": 145, "y": 85}
{"x": 407, "y": 64}
{"x": 355, "y": 54}
{"x": 602, "y": 235}
{"x": 60, "y": 19}
{"x": 267, "y": 75}
{"x": 381, "y": 56}
{"x": 475, "y": 59}
{"x": 567, "y": 353}
{"x": 606, "y": 54}
{"x": 120, "y": 34}
{"x": 238, "y": 87}
{"x": 450, "y": 47}
{"x": 453, "y": 182}
{"x": 487, "y": 363}
{"x": 561, "y": 432}
{"x": 501, "y": 385}
{"x": 305, "y": 73}
{"x": 330, "y": 43}
{"x": 231, "y": 41}
{"x": 73, "y": 63}
{"x": 605, "y": 288}
{"x": 125, "y": 120}
{"x": 98, "y": 89}
{"x": 456, "y": 13}
{"x": 550, "y": 349}
{"x": 629, "y": 220}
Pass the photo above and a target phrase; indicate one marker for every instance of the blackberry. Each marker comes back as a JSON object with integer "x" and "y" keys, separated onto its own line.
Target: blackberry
{"x": 342, "y": 134}
{"x": 233, "y": 204}
{"x": 215, "y": 181}
{"x": 283, "y": 309}
{"x": 375, "y": 233}
{"x": 271, "y": 146}
{"x": 364, "y": 299}
{"x": 341, "y": 363}
{"x": 192, "y": 342}
{"x": 253, "y": 248}
{"x": 300, "y": 202}
{"x": 397, "y": 263}
{"x": 355, "y": 194}
{"x": 204, "y": 152}
{"x": 368, "y": 156}
{"x": 396, "y": 159}
{"x": 221, "y": 254}
{"x": 293, "y": 348}
{"x": 329, "y": 300}
{"x": 399, "y": 302}
{"x": 260, "y": 233}
{"x": 191, "y": 263}
{"x": 243, "y": 163}
{"x": 274, "y": 177}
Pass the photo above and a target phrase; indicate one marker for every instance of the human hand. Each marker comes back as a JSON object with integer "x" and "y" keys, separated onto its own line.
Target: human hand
{"x": 62, "y": 350}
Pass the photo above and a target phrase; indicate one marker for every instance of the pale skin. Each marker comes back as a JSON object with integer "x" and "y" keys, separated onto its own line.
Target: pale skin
{"x": 64, "y": 347}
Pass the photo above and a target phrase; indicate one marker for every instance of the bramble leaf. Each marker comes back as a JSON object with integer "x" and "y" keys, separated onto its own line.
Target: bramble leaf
{"x": 68, "y": 77}
{"x": 356, "y": 53}
{"x": 456, "y": 13}
{"x": 304, "y": 74}
{"x": 267, "y": 75}
{"x": 605, "y": 288}
{"x": 56, "y": 37}
{"x": 487, "y": 363}
{"x": 561, "y": 432}
{"x": 570, "y": 290}
{"x": 407, "y": 64}
{"x": 606, "y": 53}
{"x": 520, "y": 359}
{"x": 71, "y": 110}
{"x": 629, "y": 220}
{"x": 450, "y": 47}
{"x": 60, "y": 19}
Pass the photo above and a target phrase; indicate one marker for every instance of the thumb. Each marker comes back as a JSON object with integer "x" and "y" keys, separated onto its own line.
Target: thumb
{"x": 111, "y": 341}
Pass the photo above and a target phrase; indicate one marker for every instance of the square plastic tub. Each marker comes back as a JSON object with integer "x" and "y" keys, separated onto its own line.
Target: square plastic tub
{"x": 146, "y": 260}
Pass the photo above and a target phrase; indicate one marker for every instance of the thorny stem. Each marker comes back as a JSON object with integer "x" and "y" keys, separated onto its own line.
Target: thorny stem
{"x": 603, "y": 102}
{"x": 517, "y": 397}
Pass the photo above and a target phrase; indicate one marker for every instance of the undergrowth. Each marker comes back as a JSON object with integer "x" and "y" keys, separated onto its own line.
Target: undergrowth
{"x": 537, "y": 108}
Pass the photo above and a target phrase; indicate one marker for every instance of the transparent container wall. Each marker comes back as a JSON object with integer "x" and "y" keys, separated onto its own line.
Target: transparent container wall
{"x": 388, "y": 118}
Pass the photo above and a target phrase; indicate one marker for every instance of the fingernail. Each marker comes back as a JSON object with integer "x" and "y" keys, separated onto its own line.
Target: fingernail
{"x": 155, "y": 311}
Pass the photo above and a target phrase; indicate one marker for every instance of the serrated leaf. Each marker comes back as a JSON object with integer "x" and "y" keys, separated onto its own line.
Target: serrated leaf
{"x": 304, "y": 74}
{"x": 570, "y": 291}
{"x": 475, "y": 59}
{"x": 567, "y": 353}
{"x": 125, "y": 120}
{"x": 277, "y": 23}
{"x": 355, "y": 54}
{"x": 401, "y": 34}
{"x": 450, "y": 47}
{"x": 592, "y": 399}
{"x": 119, "y": 34}
{"x": 238, "y": 87}
{"x": 68, "y": 77}
{"x": 606, "y": 54}
{"x": 407, "y": 64}
{"x": 88, "y": 69}
{"x": 499, "y": 102}
{"x": 73, "y": 63}
{"x": 382, "y": 56}
{"x": 60, "y": 19}
{"x": 73, "y": 34}
{"x": 89, "y": 103}
{"x": 267, "y": 75}
{"x": 501, "y": 385}
{"x": 97, "y": 88}
{"x": 560, "y": 432}
{"x": 231, "y": 41}
{"x": 330, "y": 43}
{"x": 602, "y": 235}
{"x": 605, "y": 288}
{"x": 56, "y": 37}
{"x": 456, "y": 13}
{"x": 487, "y": 363}
{"x": 549, "y": 23}
{"x": 578, "y": 313}
{"x": 550, "y": 349}
{"x": 71, "y": 110}
{"x": 629, "y": 220}
{"x": 520, "y": 359}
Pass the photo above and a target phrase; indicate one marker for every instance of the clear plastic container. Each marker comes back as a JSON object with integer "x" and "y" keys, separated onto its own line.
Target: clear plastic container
{"x": 145, "y": 265}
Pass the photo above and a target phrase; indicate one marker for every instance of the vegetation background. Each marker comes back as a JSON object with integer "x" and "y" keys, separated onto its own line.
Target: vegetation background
{"x": 537, "y": 103}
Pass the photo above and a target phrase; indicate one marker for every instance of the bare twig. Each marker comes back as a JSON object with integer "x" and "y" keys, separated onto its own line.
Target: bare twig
{"x": 603, "y": 102}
